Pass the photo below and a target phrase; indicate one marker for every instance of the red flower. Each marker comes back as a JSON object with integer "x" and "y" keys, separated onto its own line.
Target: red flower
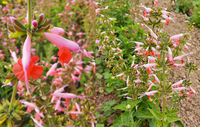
{"x": 34, "y": 71}
{"x": 73, "y": 115}
{"x": 64, "y": 55}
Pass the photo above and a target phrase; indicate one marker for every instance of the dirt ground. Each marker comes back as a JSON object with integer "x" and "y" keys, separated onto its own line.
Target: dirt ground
{"x": 190, "y": 110}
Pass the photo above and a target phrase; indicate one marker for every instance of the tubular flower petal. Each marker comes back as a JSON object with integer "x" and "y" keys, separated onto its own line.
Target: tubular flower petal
{"x": 152, "y": 33}
{"x": 170, "y": 58}
{"x": 66, "y": 95}
{"x": 14, "y": 56}
{"x": 57, "y": 30}
{"x": 29, "y": 104}
{"x": 26, "y": 53}
{"x": 61, "y": 42}
{"x": 52, "y": 70}
{"x": 178, "y": 83}
{"x": 26, "y": 58}
{"x": 33, "y": 71}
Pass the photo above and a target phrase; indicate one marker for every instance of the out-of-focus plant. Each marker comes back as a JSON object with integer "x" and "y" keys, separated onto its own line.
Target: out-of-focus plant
{"x": 182, "y": 6}
{"x": 195, "y": 15}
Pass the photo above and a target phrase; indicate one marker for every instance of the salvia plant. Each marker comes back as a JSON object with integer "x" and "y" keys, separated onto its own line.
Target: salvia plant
{"x": 50, "y": 95}
{"x": 145, "y": 74}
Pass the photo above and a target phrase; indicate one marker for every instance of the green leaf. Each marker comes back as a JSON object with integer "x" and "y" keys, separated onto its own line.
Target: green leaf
{"x": 101, "y": 91}
{"x": 3, "y": 118}
{"x": 172, "y": 118}
{"x": 97, "y": 114}
{"x": 121, "y": 107}
{"x": 99, "y": 125}
{"x": 173, "y": 112}
{"x": 97, "y": 60}
{"x": 16, "y": 34}
{"x": 169, "y": 125}
{"x": 134, "y": 103}
{"x": 106, "y": 75}
{"x": 107, "y": 70}
{"x": 122, "y": 120}
{"x": 99, "y": 76}
{"x": 146, "y": 115}
{"x": 109, "y": 89}
{"x": 179, "y": 123}
{"x": 156, "y": 114}
{"x": 152, "y": 122}
{"x": 9, "y": 122}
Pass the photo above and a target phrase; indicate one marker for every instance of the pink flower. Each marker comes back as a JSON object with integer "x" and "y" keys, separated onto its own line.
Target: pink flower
{"x": 173, "y": 3}
{"x": 26, "y": 58}
{"x": 152, "y": 33}
{"x": 74, "y": 112}
{"x": 66, "y": 95}
{"x": 52, "y": 70}
{"x": 156, "y": 78}
{"x": 14, "y": 56}
{"x": 178, "y": 83}
{"x": 192, "y": 91}
{"x": 179, "y": 88}
{"x": 34, "y": 23}
{"x": 149, "y": 65}
{"x": 146, "y": 9}
{"x": 58, "y": 91}
{"x": 167, "y": 17}
{"x": 58, "y": 104}
{"x": 57, "y": 30}
{"x": 148, "y": 93}
{"x": 39, "y": 113}
{"x": 61, "y": 42}
{"x": 170, "y": 58}
{"x": 151, "y": 59}
{"x": 36, "y": 122}
{"x": 28, "y": 104}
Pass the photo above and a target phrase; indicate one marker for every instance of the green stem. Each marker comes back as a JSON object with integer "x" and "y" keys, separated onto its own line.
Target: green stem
{"x": 29, "y": 13}
{"x": 13, "y": 97}
{"x": 158, "y": 106}
{"x": 188, "y": 73}
{"x": 130, "y": 114}
{"x": 163, "y": 86}
{"x": 41, "y": 90}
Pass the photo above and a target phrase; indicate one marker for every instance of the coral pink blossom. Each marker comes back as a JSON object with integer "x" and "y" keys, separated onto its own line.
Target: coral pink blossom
{"x": 36, "y": 122}
{"x": 33, "y": 71}
{"x": 64, "y": 55}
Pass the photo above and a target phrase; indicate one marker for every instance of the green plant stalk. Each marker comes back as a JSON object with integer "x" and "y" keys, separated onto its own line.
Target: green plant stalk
{"x": 158, "y": 105}
{"x": 49, "y": 120}
{"x": 189, "y": 73}
{"x": 132, "y": 122}
{"x": 29, "y": 2}
{"x": 13, "y": 97}
{"x": 163, "y": 87}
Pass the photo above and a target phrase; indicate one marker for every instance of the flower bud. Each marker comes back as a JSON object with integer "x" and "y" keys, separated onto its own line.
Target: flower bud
{"x": 128, "y": 107}
{"x": 41, "y": 19}
{"x": 12, "y": 19}
{"x": 41, "y": 15}
{"x": 34, "y": 23}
